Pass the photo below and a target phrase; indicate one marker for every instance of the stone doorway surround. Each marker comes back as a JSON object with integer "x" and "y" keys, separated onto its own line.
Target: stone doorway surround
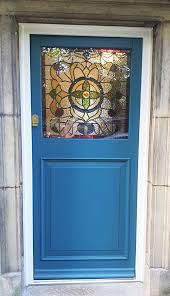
{"x": 157, "y": 276}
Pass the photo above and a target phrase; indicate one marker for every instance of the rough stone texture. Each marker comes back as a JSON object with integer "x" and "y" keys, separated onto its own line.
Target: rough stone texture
{"x": 159, "y": 170}
{"x": 165, "y": 283}
{"x": 155, "y": 282}
{"x": 10, "y": 217}
{"x": 10, "y": 284}
{"x": 161, "y": 93}
{"x": 158, "y": 223}
{"x": 10, "y": 148}
{"x": 87, "y": 11}
{"x": 159, "y": 228}
{"x": 107, "y": 289}
{"x": 10, "y": 156}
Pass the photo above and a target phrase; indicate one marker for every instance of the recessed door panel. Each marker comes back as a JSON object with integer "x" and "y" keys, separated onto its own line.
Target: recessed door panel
{"x": 87, "y": 220}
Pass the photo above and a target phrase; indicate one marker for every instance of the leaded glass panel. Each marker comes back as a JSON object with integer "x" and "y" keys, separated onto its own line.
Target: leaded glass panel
{"x": 85, "y": 92}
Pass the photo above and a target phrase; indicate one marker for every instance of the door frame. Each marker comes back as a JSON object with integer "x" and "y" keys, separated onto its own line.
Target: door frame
{"x": 25, "y": 30}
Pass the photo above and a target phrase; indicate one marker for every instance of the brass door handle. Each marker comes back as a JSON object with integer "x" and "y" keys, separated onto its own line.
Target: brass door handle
{"x": 35, "y": 120}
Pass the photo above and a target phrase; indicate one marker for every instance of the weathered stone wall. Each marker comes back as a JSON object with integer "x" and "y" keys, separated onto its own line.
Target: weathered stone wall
{"x": 141, "y": 13}
{"x": 10, "y": 158}
{"x": 89, "y": 11}
{"x": 158, "y": 223}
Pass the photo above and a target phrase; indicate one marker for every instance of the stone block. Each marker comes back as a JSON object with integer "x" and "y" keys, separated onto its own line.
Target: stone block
{"x": 161, "y": 71}
{"x": 155, "y": 282}
{"x": 9, "y": 82}
{"x": 10, "y": 284}
{"x": 165, "y": 283}
{"x": 149, "y": 225}
{"x": 10, "y": 151}
{"x": 159, "y": 227}
{"x": 87, "y": 289}
{"x": 159, "y": 154}
{"x": 141, "y": 10}
{"x": 10, "y": 235}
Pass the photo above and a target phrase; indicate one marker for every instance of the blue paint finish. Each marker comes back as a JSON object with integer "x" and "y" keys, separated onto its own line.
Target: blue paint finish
{"x": 84, "y": 190}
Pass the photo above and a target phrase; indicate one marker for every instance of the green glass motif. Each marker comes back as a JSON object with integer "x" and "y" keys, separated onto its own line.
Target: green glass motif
{"x": 85, "y": 92}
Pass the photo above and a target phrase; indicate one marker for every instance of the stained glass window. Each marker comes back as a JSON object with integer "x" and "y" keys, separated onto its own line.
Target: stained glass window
{"x": 85, "y": 92}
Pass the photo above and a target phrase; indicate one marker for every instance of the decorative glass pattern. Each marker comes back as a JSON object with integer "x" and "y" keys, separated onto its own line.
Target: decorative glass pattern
{"x": 85, "y": 92}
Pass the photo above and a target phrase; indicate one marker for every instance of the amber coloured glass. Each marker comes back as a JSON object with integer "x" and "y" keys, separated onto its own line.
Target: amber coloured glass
{"x": 85, "y": 92}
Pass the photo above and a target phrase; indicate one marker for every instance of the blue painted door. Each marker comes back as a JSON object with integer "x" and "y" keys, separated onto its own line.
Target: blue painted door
{"x": 86, "y": 93}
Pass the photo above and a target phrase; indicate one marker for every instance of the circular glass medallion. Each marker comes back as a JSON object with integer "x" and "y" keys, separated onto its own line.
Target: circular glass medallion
{"x": 86, "y": 94}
